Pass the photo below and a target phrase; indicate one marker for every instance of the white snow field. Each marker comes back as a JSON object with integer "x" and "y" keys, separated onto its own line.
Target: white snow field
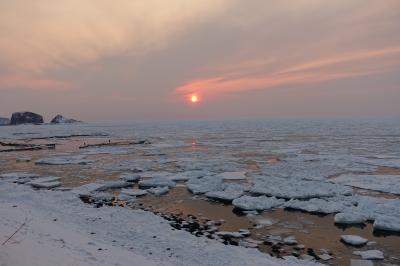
{"x": 61, "y": 230}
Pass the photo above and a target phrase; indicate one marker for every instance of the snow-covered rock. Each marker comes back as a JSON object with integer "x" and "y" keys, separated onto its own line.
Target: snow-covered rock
{"x": 370, "y": 254}
{"x": 65, "y": 160}
{"x": 257, "y": 203}
{"x": 353, "y": 240}
{"x": 383, "y": 183}
{"x": 205, "y": 184}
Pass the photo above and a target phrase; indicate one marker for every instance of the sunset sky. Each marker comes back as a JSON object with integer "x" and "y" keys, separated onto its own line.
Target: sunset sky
{"x": 101, "y": 59}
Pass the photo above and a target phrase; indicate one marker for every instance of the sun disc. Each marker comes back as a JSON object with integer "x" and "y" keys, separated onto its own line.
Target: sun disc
{"x": 194, "y": 99}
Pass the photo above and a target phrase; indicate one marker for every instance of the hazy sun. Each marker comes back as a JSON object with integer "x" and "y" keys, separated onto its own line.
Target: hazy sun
{"x": 194, "y": 99}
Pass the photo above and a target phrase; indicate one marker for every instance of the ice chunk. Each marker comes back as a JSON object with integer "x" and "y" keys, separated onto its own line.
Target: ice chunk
{"x": 370, "y": 254}
{"x": 114, "y": 185}
{"x": 361, "y": 263}
{"x": 63, "y": 160}
{"x": 383, "y": 183}
{"x": 349, "y": 218}
{"x": 205, "y": 184}
{"x": 297, "y": 189}
{"x": 387, "y": 223}
{"x": 19, "y": 177}
{"x": 87, "y": 188}
{"x": 156, "y": 182}
{"x": 231, "y": 192}
{"x": 45, "y": 182}
{"x": 353, "y": 240}
{"x": 257, "y": 203}
{"x": 232, "y": 175}
{"x": 158, "y": 191}
{"x": 134, "y": 192}
{"x": 290, "y": 240}
{"x": 315, "y": 205}
{"x": 130, "y": 177}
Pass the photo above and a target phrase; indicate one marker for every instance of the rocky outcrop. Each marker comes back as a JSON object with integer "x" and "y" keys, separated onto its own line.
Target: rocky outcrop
{"x": 4, "y": 121}
{"x": 26, "y": 118}
{"x": 59, "y": 119}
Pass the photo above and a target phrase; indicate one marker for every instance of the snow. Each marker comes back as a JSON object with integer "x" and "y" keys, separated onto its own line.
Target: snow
{"x": 383, "y": 183}
{"x": 65, "y": 160}
{"x": 354, "y": 240}
{"x": 105, "y": 236}
{"x": 257, "y": 203}
{"x": 370, "y": 254}
{"x": 19, "y": 177}
{"x": 232, "y": 176}
{"x": 205, "y": 184}
{"x": 289, "y": 188}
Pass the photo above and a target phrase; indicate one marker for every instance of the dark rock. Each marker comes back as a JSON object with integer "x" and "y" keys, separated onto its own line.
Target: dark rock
{"x": 4, "y": 121}
{"x": 26, "y": 118}
{"x": 59, "y": 119}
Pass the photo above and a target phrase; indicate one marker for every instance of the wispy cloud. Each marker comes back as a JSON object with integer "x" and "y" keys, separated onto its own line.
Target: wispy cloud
{"x": 314, "y": 71}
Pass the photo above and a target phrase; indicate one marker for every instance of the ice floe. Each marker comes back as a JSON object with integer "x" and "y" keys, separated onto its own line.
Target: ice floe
{"x": 383, "y": 183}
{"x": 257, "y": 203}
{"x": 316, "y": 205}
{"x": 45, "y": 182}
{"x": 158, "y": 191}
{"x": 229, "y": 193}
{"x": 232, "y": 176}
{"x": 353, "y": 240}
{"x": 205, "y": 184}
{"x": 370, "y": 254}
{"x": 134, "y": 192}
{"x": 297, "y": 189}
{"x": 130, "y": 177}
{"x": 384, "y": 212}
{"x": 156, "y": 182}
{"x": 64, "y": 160}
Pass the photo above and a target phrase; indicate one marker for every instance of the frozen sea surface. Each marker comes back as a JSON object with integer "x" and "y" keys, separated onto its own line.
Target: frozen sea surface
{"x": 313, "y": 166}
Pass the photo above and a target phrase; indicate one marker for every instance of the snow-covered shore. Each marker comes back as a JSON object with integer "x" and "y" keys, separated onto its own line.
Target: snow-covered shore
{"x": 62, "y": 230}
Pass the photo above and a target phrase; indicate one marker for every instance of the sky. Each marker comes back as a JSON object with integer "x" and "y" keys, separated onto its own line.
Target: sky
{"x": 98, "y": 60}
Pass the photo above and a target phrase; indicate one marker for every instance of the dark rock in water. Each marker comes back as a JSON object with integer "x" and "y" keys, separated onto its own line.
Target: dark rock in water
{"x": 59, "y": 119}
{"x": 4, "y": 121}
{"x": 26, "y": 118}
